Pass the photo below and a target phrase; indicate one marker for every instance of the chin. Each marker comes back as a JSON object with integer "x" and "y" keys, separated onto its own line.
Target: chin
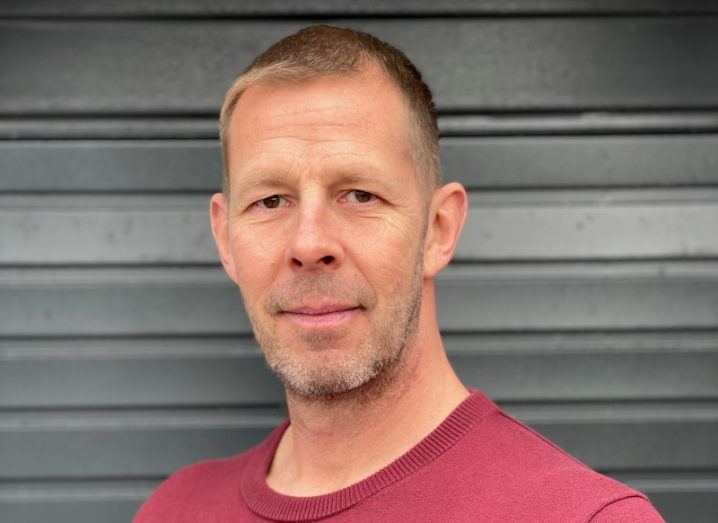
{"x": 334, "y": 379}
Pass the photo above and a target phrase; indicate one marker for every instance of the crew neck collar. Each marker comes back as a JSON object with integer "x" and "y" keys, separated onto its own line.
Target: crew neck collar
{"x": 264, "y": 501}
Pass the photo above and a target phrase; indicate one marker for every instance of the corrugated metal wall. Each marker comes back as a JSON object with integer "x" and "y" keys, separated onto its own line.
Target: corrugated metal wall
{"x": 583, "y": 297}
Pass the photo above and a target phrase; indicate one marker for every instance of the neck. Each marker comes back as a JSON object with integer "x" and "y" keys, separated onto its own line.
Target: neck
{"x": 335, "y": 443}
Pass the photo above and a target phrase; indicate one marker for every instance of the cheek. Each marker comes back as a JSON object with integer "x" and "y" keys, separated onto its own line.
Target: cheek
{"x": 256, "y": 257}
{"x": 386, "y": 256}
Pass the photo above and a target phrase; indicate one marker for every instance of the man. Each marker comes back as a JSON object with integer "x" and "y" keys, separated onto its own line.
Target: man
{"x": 333, "y": 223}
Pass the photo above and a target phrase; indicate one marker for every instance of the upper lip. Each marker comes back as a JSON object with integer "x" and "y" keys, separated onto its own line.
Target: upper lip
{"x": 321, "y": 309}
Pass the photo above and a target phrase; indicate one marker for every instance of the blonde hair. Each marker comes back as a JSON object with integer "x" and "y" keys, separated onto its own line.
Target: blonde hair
{"x": 326, "y": 50}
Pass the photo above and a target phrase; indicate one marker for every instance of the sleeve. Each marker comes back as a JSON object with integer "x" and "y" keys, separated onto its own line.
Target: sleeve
{"x": 170, "y": 501}
{"x": 633, "y": 509}
{"x": 157, "y": 506}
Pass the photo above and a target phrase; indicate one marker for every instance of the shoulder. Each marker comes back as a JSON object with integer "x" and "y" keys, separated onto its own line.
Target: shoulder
{"x": 537, "y": 475}
{"x": 207, "y": 490}
{"x": 633, "y": 509}
{"x": 180, "y": 495}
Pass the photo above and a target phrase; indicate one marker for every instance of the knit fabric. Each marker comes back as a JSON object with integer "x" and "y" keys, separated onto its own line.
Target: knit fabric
{"x": 480, "y": 464}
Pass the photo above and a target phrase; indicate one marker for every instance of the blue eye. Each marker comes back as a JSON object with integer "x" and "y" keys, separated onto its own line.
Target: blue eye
{"x": 270, "y": 202}
{"x": 361, "y": 196}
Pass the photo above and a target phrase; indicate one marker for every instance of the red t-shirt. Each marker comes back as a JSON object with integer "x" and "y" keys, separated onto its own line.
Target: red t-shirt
{"x": 480, "y": 464}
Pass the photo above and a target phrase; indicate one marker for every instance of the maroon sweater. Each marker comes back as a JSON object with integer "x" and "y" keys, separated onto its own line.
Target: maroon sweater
{"x": 480, "y": 464}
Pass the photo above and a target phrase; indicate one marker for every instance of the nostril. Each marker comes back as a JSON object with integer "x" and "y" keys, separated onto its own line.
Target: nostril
{"x": 324, "y": 260}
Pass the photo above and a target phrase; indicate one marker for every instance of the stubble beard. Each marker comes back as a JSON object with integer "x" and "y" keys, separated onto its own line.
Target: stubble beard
{"x": 367, "y": 370}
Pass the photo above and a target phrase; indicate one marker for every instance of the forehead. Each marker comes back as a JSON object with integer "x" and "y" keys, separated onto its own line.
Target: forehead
{"x": 323, "y": 119}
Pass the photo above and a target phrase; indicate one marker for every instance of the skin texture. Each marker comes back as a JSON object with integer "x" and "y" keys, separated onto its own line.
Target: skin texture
{"x": 325, "y": 206}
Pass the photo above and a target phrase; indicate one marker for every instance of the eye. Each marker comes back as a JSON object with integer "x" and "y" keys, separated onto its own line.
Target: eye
{"x": 360, "y": 196}
{"x": 270, "y": 202}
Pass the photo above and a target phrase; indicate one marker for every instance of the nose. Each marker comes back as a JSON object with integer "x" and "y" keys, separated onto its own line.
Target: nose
{"x": 314, "y": 244}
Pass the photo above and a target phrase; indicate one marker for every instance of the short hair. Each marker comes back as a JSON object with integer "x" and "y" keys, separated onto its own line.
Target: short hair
{"x": 323, "y": 50}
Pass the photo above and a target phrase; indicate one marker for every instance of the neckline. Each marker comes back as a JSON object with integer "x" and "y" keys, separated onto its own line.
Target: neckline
{"x": 264, "y": 501}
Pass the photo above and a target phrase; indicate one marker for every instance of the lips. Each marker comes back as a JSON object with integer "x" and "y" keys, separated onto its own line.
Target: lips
{"x": 323, "y": 309}
{"x": 320, "y": 317}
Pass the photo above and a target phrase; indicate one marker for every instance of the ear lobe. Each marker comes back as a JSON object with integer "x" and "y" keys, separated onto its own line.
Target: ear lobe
{"x": 219, "y": 216}
{"x": 446, "y": 220}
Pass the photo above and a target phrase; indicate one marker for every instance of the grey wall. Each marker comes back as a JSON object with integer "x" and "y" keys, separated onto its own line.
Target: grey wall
{"x": 583, "y": 297}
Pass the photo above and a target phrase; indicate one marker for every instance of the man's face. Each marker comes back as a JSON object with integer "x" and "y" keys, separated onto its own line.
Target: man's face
{"x": 325, "y": 228}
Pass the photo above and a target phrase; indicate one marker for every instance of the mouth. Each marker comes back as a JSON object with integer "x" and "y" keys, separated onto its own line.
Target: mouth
{"x": 314, "y": 318}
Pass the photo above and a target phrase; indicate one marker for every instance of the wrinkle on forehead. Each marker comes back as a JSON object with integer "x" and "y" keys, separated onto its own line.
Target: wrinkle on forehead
{"x": 332, "y": 123}
{"x": 321, "y": 120}
{"x": 371, "y": 82}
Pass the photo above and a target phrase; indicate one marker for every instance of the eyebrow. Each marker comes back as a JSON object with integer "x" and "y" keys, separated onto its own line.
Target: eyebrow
{"x": 265, "y": 179}
{"x": 357, "y": 177}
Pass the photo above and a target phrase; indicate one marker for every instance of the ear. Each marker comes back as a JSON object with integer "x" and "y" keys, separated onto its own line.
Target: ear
{"x": 447, "y": 214}
{"x": 219, "y": 217}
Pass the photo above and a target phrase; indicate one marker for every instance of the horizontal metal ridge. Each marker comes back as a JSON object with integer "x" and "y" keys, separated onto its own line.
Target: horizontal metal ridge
{"x": 215, "y": 276}
{"x": 634, "y": 412}
{"x": 222, "y": 9}
{"x": 205, "y": 126}
{"x": 83, "y": 490}
{"x": 199, "y": 203}
{"x": 189, "y": 347}
{"x": 138, "y": 419}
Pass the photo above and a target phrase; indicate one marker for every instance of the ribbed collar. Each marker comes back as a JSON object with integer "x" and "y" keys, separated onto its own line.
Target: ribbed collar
{"x": 270, "y": 504}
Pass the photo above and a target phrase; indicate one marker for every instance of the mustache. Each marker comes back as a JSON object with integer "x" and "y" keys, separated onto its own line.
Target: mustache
{"x": 322, "y": 286}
